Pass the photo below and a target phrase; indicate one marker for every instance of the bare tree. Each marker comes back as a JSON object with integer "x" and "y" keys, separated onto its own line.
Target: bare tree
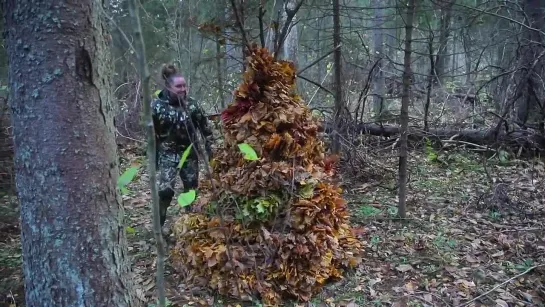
{"x": 404, "y": 118}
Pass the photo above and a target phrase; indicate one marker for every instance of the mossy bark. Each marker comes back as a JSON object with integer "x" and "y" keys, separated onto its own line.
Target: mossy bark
{"x": 73, "y": 241}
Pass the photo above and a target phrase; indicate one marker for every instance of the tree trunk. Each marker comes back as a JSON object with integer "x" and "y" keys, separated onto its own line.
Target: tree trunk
{"x": 73, "y": 239}
{"x": 289, "y": 43}
{"x": 220, "y": 7}
{"x": 466, "y": 41}
{"x": 429, "y": 82}
{"x": 441, "y": 62}
{"x": 531, "y": 51}
{"x": 403, "y": 152}
{"x": 278, "y": 17}
{"x": 338, "y": 77}
{"x": 233, "y": 54}
{"x": 379, "y": 84}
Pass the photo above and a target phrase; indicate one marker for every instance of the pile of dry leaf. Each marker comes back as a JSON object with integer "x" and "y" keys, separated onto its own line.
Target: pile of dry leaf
{"x": 274, "y": 227}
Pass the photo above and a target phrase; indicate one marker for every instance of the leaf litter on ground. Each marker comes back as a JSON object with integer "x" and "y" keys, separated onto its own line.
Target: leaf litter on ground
{"x": 464, "y": 238}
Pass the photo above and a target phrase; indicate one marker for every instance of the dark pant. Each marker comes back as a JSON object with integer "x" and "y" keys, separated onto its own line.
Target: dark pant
{"x": 167, "y": 172}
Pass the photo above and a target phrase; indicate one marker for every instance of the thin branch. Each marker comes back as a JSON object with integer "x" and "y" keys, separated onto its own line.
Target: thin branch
{"x": 317, "y": 84}
{"x": 261, "y": 30}
{"x": 239, "y": 24}
{"x": 290, "y": 14}
{"x": 503, "y": 283}
{"x": 522, "y": 24}
{"x": 318, "y": 60}
{"x": 145, "y": 78}
{"x": 118, "y": 28}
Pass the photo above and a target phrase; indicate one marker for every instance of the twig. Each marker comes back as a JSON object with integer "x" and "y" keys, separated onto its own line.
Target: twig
{"x": 118, "y": 28}
{"x": 239, "y": 24}
{"x": 145, "y": 77}
{"x": 290, "y": 14}
{"x": 495, "y": 233}
{"x": 317, "y": 84}
{"x": 434, "y": 295}
{"x": 316, "y": 91}
{"x": 261, "y": 30}
{"x": 424, "y": 300}
{"x": 127, "y": 137}
{"x": 318, "y": 60}
{"x": 466, "y": 143}
{"x": 503, "y": 283}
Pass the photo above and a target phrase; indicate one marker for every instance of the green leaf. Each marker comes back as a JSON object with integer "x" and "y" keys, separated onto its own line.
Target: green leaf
{"x": 329, "y": 66}
{"x": 157, "y": 92}
{"x": 368, "y": 211}
{"x": 187, "y": 198}
{"x": 248, "y": 151}
{"x": 124, "y": 191}
{"x": 185, "y": 155}
{"x": 307, "y": 191}
{"x": 127, "y": 176}
{"x": 130, "y": 230}
{"x": 260, "y": 208}
{"x": 503, "y": 156}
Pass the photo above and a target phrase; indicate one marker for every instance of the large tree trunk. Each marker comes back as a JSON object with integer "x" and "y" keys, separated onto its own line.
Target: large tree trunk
{"x": 73, "y": 239}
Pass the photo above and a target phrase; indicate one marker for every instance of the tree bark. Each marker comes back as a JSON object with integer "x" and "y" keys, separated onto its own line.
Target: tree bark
{"x": 379, "y": 84}
{"x": 404, "y": 118}
{"x": 531, "y": 88}
{"x": 73, "y": 239}
{"x": 338, "y": 74}
{"x": 289, "y": 50}
{"x": 233, "y": 55}
{"x": 441, "y": 61}
{"x": 220, "y": 7}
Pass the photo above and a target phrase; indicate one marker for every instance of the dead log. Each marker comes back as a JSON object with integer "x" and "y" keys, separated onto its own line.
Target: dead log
{"x": 527, "y": 140}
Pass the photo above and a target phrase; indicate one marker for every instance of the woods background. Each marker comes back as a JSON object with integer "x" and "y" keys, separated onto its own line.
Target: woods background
{"x": 476, "y": 81}
{"x": 476, "y": 64}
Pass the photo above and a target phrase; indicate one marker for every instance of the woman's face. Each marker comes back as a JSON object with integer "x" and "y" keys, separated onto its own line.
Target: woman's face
{"x": 178, "y": 87}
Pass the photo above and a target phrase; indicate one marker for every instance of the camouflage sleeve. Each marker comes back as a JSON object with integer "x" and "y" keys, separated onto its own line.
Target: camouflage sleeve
{"x": 166, "y": 114}
{"x": 199, "y": 118}
{"x": 202, "y": 122}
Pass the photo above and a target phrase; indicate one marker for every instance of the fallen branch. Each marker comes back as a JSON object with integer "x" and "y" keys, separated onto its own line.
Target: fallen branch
{"x": 529, "y": 139}
{"x": 497, "y": 286}
{"x": 466, "y": 143}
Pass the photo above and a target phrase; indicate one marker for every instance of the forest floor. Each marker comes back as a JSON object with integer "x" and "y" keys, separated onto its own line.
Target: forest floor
{"x": 466, "y": 241}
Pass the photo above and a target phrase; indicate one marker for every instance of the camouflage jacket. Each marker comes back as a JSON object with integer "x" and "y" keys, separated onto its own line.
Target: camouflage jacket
{"x": 172, "y": 130}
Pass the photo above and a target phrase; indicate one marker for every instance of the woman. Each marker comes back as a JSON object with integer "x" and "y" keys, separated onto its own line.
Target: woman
{"x": 172, "y": 112}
